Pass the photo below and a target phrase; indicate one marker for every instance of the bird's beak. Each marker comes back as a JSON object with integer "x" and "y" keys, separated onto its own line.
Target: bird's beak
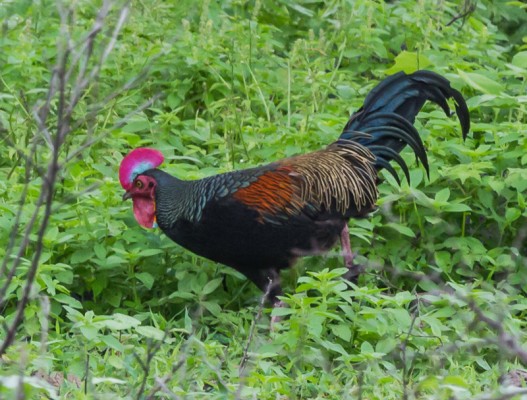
{"x": 126, "y": 196}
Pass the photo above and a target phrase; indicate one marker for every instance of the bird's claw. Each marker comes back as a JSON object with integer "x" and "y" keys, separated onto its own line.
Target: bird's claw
{"x": 354, "y": 271}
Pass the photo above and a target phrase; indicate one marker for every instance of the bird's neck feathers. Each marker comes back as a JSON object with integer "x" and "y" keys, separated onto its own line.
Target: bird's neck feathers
{"x": 177, "y": 199}
{"x": 173, "y": 197}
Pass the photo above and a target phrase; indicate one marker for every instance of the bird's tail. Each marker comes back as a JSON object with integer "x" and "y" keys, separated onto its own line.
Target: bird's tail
{"x": 384, "y": 124}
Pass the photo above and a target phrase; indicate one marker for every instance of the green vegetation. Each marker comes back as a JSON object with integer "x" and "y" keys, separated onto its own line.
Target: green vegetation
{"x": 120, "y": 312}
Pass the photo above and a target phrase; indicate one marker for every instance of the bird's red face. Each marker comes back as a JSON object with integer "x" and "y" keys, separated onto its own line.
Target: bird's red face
{"x": 141, "y": 188}
{"x": 142, "y": 194}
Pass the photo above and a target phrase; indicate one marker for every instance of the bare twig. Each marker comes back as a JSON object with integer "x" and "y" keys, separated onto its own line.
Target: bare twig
{"x": 505, "y": 339}
{"x": 77, "y": 67}
{"x": 252, "y": 330}
{"x": 151, "y": 351}
{"x": 468, "y": 8}
{"x": 404, "y": 359}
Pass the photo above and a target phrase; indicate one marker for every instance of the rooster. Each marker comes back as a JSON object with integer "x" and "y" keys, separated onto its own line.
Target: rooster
{"x": 261, "y": 220}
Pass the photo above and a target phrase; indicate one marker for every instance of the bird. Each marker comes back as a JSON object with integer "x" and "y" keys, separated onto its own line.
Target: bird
{"x": 261, "y": 220}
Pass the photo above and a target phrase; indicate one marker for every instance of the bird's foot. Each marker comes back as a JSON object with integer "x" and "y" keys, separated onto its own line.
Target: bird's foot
{"x": 354, "y": 271}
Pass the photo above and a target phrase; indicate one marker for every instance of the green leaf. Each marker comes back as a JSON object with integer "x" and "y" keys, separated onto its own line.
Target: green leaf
{"x": 335, "y": 347}
{"x": 482, "y": 83}
{"x": 457, "y": 207}
{"x": 146, "y": 278}
{"x": 404, "y": 230}
{"x": 150, "y": 332}
{"x": 99, "y": 250}
{"x": 65, "y": 277}
{"x": 114, "y": 298}
{"x": 81, "y": 255}
{"x": 121, "y": 321}
{"x": 512, "y": 214}
{"x": 281, "y": 311}
{"x": 65, "y": 299}
{"x": 443, "y": 260}
{"x": 211, "y": 286}
{"x": 342, "y": 331}
{"x": 409, "y": 62}
{"x": 112, "y": 342}
{"x": 137, "y": 125}
{"x": 456, "y": 381}
{"x": 150, "y": 252}
{"x": 366, "y": 348}
{"x": 213, "y": 308}
{"x": 90, "y": 332}
{"x": 443, "y": 195}
{"x": 483, "y": 363}
{"x": 520, "y": 59}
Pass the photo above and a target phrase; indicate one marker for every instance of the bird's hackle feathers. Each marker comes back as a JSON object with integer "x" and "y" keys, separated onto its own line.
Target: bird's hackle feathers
{"x": 342, "y": 175}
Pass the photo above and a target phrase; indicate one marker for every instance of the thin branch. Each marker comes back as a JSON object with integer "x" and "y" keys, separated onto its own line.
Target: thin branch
{"x": 60, "y": 83}
{"x": 250, "y": 337}
{"x": 468, "y": 8}
{"x": 151, "y": 351}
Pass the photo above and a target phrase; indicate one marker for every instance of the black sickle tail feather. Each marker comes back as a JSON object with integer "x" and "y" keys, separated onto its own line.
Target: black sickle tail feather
{"x": 389, "y": 111}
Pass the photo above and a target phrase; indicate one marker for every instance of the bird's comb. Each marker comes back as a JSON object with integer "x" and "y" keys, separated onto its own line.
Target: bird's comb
{"x": 136, "y": 162}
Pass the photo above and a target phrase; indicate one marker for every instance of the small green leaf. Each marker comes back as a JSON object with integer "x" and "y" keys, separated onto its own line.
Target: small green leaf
{"x": 282, "y": 311}
{"x": 520, "y": 59}
{"x": 482, "y": 83}
{"x": 456, "y": 381}
{"x": 342, "y": 331}
{"x": 150, "y": 332}
{"x": 112, "y": 342}
{"x": 409, "y": 62}
{"x": 457, "y": 207}
{"x": 483, "y": 363}
{"x": 404, "y": 230}
{"x": 366, "y": 348}
{"x": 90, "y": 332}
{"x": 213, "y": 308}
{"x": 70, "y": 301}
{"x": 120, "y": 321}
{"x": 211, "y": 286}
{"x": 146, "y": 278}
{"x": 150, "y": 252}
{"x": 81, "y": 255}
{"x": 512, "y": 214}
{"x": 99, "y": 250}
{"x": 443, "y": 195}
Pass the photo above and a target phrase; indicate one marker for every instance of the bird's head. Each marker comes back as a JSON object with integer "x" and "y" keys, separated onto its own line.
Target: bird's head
{"x": 141, "y": 188}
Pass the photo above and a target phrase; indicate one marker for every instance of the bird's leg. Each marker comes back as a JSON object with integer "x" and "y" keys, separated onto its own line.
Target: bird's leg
{"x": 272, "y": 290}
{"x": 353, "y": 269}
{"x": 346, "y": 247}
{"x": 276, "y": 318}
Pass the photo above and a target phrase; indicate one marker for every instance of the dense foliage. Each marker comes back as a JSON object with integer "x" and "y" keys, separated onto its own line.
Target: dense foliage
{"x": 118, "y": 311}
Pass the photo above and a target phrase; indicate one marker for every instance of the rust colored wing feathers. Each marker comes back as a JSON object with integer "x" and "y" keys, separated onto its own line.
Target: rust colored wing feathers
{"x": 338, "y": 178}
{"x": 274, "y": 192}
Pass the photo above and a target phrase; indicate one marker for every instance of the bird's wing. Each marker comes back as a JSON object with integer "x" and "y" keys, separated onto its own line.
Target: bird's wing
{"x": 336, "y": 179}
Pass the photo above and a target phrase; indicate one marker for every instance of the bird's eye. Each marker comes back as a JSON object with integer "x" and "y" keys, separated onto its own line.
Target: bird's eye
{"x": 138, "y": 184}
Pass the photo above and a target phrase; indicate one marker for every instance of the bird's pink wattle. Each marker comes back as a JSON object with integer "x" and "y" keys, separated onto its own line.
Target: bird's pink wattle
{"x": 136, "y": 162}
{"x": 145, "y": 211}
